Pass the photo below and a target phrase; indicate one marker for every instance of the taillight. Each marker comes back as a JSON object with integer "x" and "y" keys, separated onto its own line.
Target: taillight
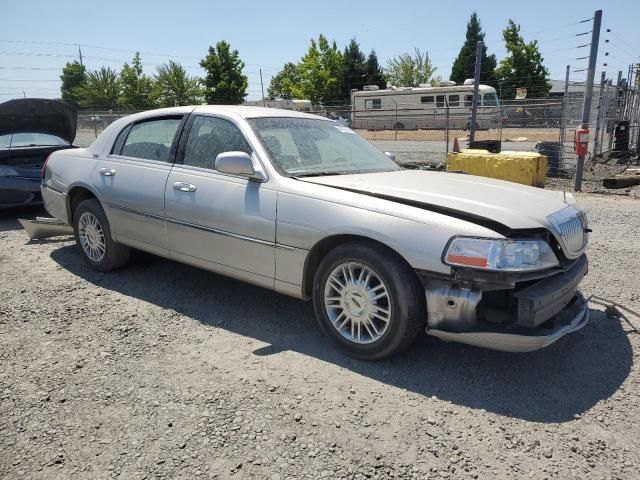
{"x": 44, "y": 166}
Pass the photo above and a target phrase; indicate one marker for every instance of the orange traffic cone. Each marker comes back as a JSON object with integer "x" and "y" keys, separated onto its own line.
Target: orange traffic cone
{"x": 456, "y": 146}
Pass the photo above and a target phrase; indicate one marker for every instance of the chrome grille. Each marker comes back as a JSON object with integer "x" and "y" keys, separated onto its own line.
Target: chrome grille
{"x": 572, "y": 233}
{"x": 570, "y": 226}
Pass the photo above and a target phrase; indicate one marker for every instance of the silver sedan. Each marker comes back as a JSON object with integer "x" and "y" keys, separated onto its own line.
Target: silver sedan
{"x": 304, "y": 206}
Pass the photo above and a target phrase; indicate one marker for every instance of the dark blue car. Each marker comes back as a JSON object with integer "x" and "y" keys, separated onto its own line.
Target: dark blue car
{"x": 30, "y": 130}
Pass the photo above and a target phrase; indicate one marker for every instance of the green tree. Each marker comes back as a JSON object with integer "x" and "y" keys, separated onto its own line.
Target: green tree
{"x": 136, "y": 87}
{"x": 464, "y": 64}
{"x": 354, "y": 69}
{"x": 101, "y": 90}
{"x": 320, "y": 72}
{"x": 375, "y": 74}
{"x": 224, "y": 82}
{"x": 409, "y": 70}
{"x": 73, "y": 76}
{"x": 173, "y": 87}
{"x": 522, "y": 67}
{"x": 283, "y": 83}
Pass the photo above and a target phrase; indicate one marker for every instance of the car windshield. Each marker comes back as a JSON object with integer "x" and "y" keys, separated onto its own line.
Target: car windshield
{"x": 307, "y": 147}
{"x": 17, "y": 140}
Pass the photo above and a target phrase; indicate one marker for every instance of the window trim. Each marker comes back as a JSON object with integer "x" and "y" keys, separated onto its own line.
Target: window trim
{"x": 441, "y": 103}
{"x": 123, "y": 135}
{"x": 432, "y": 97}
{"x": 457, "y": 104}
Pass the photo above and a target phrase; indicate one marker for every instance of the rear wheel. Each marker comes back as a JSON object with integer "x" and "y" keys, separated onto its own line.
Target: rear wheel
{"x": 398, "y": 126}
{"x": 368, "y": 300}
{"x": 93, "y": 236}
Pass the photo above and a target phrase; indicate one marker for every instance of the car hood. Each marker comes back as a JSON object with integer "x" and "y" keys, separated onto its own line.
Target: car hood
{"x": 38, "y": 115}
{"x": 495, "y": 203}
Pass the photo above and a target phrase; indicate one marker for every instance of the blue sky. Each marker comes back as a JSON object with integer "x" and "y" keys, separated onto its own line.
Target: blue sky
{"x": 268, "y": 34}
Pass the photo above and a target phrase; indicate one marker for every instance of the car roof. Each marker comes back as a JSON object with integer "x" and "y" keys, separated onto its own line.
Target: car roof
{"x": 250, "y": 111}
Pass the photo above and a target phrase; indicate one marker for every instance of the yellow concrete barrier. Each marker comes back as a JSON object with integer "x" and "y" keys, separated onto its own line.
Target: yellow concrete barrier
{"x": 528, "y": 168}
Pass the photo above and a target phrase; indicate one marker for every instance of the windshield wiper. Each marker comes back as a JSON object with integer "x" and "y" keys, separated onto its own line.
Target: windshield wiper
{"x": 318, "y": 174}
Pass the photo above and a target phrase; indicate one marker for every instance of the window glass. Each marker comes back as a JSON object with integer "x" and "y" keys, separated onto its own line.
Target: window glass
{"x": 373, "y": 104}
{"x": 302, "y": 146}
{"x": 454, "y": 100}
{"x": 440, "y": 101}
{"x": 151, "y": 140}
{"x": 15, "y": 140}
{"x": 468, "y": 100}
{"x": 209, "y": 137}
{"x": 427, "y": 99}
{"x": 490, "y": 100}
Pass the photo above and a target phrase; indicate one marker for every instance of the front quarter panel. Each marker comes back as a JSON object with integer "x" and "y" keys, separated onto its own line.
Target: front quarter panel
{"x": 309, "y": 213}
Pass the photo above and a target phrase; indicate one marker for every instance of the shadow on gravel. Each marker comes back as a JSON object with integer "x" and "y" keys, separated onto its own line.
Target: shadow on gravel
{"x": 551, "y": 385}
{"x": 9, "y": 217}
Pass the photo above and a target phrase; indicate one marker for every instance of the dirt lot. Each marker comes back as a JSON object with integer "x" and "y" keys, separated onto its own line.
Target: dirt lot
{"x": 165, "y": 371}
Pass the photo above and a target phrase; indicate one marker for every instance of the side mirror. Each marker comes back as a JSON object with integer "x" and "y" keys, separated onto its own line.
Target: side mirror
{"x": 235, "y": 163}
{"x": 392, "y": 156}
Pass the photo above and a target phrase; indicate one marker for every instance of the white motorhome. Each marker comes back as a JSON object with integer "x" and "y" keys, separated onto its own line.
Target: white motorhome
{"x": 423, "y": 107}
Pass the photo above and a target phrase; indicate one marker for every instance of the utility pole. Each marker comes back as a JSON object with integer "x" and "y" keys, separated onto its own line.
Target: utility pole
{"x": 476, "y": 89}
{"x": 599, "y": 115}
{"x": 586, "y": 107}
{"x": 262, "y": 87}
{"x": 80, "y": 55}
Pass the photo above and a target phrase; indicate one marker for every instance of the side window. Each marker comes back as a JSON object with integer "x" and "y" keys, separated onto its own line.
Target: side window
{"x": 373, "y": 104}
{"x": 454, "y": 100}
{"x": 210, "y": 136}
{"x": 440, "y": 101}
{"x": 468, "y": 100}
{"x": 151, "y": 140}
{"x": 427, "y": 99}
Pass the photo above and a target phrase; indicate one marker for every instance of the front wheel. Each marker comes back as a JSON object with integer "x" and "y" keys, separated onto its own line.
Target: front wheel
{"x": 368, "y": 301}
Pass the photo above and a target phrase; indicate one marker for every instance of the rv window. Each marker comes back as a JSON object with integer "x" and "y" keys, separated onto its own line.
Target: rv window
{"x": 468, "y": 100}
{"x": 373, "y": 104}
{"x": 490, "y": 100}
{"x": 440, "y": 101}
{"x": 454, "y": 100}
{"x": 428, "y": 99}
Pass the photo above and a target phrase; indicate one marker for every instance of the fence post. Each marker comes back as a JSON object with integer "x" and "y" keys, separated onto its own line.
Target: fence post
{"x": 611, "y": 125}
{"x": 476, "y": 89}
{"x": 586, "y": 107}
{"x": 563, "y": 120}
{"x": 599, "y": 115}
{"x": 446, "y": 130}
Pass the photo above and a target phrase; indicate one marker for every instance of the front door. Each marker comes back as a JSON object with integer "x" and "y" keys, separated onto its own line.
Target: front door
{"x": 221, "y": 222}
{"x": 131, "y": 181}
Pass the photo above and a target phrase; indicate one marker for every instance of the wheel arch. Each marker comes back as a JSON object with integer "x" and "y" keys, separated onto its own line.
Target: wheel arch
{"x": 325, "y": 245}
{"x": 76, "y": 194}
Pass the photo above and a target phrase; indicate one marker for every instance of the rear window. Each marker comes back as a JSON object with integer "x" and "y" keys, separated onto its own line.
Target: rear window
{"x": 22, "y": 140}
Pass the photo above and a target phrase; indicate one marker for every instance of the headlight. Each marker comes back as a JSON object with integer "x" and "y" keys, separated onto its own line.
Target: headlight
{"x": 500, "y": 254}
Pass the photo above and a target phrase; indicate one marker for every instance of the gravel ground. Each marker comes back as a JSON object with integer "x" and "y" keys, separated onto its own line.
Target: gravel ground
{"x": 164, "y": 371}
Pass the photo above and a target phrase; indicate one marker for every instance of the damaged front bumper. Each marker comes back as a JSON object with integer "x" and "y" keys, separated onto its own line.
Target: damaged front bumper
{"x": 528, "y": 315}
{"x": 574, "y": 317}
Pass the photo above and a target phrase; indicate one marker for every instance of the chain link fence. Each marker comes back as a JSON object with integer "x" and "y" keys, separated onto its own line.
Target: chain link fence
{"x": 422, "y": 137}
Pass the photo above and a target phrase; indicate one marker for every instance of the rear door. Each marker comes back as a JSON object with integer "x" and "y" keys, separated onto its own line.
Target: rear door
{"x": 131, "y": 181}
{"x": 218, "y": 221}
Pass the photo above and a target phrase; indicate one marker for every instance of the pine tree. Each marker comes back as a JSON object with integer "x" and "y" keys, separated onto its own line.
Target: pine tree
{"x": 224, "y": 82}
{"x": 354, "y": 70}
{"x": 464, "y": 64}
{"x": 375, "y": 74}
{"x": 522, "y": 67}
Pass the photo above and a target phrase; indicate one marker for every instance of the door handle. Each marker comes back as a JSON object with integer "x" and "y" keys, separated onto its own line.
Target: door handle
{"x": 107, "y": 172}
{"x": 184, "y": 187}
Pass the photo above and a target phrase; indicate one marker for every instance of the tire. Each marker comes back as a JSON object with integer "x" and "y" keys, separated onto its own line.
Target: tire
{"x": 339, "y": 314}
{"x": 93, "y": 236}
{"x": 398, "y": 126}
